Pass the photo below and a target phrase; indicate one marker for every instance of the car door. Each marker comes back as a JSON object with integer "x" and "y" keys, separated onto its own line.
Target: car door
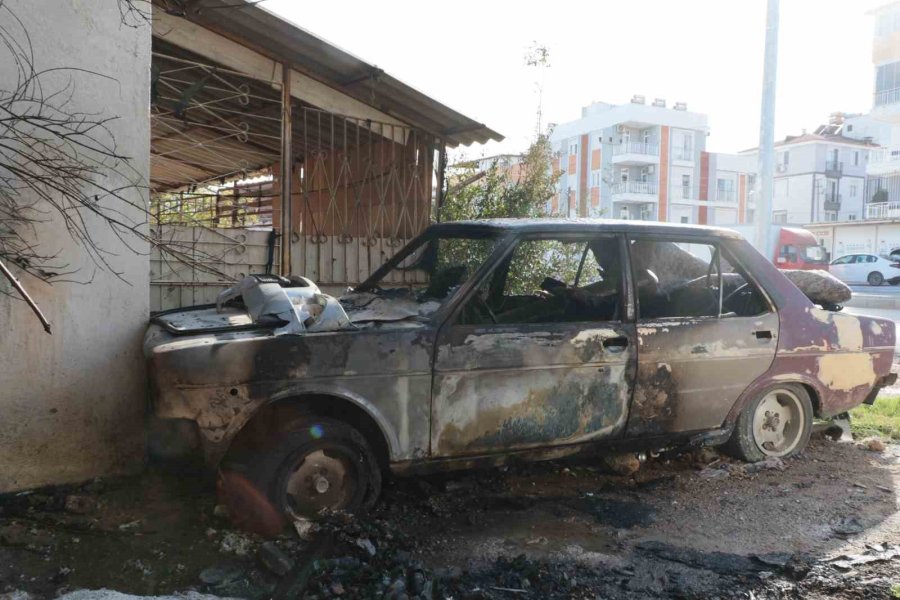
{"x": 541, "y": 353}
{"x": 840, "y": 267}
{"x": 705, "y": 332}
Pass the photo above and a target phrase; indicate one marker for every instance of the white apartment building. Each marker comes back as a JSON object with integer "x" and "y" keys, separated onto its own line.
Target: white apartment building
{"x": 819, "y": 176}
{"x": 649, "y": 162}
{"x": 882, "y": 124}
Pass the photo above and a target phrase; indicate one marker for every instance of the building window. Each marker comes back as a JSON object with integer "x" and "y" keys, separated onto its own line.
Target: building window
{"x": 784, "y": 159}
{"x": 646, "y": 137}
{"x": 645, "y": 174}
{"x": 685, "y": 220}
{"x": 685, "y": 186}
{"x": 573, "y": 148}
{"x": 856, "y": 158}
{"x": 853, "y": 190}
{"x": 830, "y": 215}
{"x": 851, "y": 217}
{"x": 779, "y": 216}
{"x": 623, "y": 175}
{"x": 725, "y": 190}
{"x": 887, "y": 82}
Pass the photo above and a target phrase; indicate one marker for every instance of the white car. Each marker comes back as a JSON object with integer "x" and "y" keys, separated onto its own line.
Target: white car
{"x": 865, "y": 268}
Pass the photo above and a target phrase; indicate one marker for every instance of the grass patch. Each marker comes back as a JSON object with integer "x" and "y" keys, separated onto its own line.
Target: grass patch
{"x": 882, "y": 419}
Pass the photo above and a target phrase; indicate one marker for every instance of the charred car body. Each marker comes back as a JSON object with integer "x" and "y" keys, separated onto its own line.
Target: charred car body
{"x": 486, "y": 340}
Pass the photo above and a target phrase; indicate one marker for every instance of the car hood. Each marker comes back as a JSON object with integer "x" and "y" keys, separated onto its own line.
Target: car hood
{"x": 294, "y": 307}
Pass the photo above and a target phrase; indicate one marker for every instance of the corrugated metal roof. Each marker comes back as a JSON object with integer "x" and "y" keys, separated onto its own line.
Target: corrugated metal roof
{"x": 279, "y": 39}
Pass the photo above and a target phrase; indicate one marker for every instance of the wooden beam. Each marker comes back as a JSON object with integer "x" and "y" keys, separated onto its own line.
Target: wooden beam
{"x": 287, "y": 173}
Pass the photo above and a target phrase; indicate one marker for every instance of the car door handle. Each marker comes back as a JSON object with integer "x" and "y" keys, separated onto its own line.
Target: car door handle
{"x": 763, "y": 334}
{"x": 615, "y": 344}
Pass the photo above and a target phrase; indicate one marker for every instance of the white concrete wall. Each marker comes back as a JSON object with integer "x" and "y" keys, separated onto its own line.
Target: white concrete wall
{"x": 72, "y": 404}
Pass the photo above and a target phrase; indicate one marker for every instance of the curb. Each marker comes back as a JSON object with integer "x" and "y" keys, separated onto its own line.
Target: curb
{"x": 872, "y": 301}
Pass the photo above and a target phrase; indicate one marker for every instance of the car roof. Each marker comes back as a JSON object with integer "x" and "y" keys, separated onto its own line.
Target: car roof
{"x": 585, "y": 224}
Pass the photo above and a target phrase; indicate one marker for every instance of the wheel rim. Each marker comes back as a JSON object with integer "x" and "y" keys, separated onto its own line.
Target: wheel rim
{"x": 876, "y": 278}
{"x": 778, "y": 423}
{"x": 322, "y": 479}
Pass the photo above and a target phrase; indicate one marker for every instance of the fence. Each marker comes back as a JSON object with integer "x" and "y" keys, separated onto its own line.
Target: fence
{"x": 191, "y": 265}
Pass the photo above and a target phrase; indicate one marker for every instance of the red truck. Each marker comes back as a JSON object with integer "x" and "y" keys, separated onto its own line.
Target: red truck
{"x": 790, "y": 247}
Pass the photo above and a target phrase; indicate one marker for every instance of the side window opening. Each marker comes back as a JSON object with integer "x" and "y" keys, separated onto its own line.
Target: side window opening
{"x": 686, "y": 279}
{"x": 551, "y": 281}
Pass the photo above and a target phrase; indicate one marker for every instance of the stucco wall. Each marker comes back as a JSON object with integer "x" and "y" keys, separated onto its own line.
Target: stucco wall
{"x": 72, "y": 404}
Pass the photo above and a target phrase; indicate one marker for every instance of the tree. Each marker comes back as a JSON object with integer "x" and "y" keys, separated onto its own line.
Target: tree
{"x": 521, "y": 189}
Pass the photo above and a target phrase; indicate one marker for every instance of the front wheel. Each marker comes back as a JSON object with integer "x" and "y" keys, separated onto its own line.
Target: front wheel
{"x": 875, "y": 278}
{"x": 777, "y": 423}
{"x": 318, "y": 465}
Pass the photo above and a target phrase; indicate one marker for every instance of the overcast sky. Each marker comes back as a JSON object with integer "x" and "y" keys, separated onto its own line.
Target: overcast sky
{"x": 470, "y": 55}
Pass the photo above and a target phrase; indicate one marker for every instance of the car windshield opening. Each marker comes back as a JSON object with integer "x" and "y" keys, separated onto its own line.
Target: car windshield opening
{"x": 421, "y": 278}
{"x": 815, "y": 254}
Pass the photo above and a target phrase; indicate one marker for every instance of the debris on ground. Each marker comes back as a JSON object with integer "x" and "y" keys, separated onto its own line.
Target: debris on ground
{"x": 847, "y": 527}
{"x": 623, "y": 464}
{"x": 874, "y": 445}
{"x": 695, "y": 524}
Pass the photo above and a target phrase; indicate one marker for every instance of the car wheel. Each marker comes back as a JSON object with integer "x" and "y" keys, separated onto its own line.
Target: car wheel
{"x": 319, "y": 464}
{"x": 777, "y": 423}
{"x": 875, "y": 278}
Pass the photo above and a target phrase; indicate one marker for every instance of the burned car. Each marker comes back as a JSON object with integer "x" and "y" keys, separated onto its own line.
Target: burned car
{"x": 486, "y": 341}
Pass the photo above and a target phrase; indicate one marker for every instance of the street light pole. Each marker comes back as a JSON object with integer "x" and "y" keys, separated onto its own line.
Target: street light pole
{"x": 765, "y": 182}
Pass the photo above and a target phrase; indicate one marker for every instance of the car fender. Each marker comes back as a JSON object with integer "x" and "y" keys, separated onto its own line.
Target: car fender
{"x": 312, "y": 388}
{"x": 772, "y": 377}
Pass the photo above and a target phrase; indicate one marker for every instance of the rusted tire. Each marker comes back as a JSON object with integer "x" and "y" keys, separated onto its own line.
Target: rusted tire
{"x": 875, "y": 278}
{"x": 320, "y": 464}
{"x": 777, "y": 423}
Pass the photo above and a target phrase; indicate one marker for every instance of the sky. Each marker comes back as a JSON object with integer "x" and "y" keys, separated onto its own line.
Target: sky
{"x": 470, "y": 55}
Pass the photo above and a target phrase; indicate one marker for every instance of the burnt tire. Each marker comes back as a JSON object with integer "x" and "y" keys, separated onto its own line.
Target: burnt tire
{"x": 318, "y": 464}
{"x": 776, "y": 423}
{"x": 875, "y": 278}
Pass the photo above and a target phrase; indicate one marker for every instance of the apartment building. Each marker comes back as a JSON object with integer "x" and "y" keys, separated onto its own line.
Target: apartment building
{"x": 648, "y": 162}
{"x": 882, "y": 124}
{"x": 819, "y": 176}
{"x": 629, "y": 160}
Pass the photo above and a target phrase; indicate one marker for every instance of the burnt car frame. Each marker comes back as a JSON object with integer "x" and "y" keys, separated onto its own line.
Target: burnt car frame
{"x": 647, "y": 346}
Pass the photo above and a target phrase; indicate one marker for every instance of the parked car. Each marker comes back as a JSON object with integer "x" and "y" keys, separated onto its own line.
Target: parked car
{"x": 865, "y": 268}
{"x": 486, "y": 341}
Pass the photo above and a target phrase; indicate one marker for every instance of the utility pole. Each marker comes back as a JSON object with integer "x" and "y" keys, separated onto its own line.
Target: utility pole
{"x": 765, "y": 182}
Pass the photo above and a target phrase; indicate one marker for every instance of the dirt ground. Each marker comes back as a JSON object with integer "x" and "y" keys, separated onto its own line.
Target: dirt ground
{"x": 822, "y": 525}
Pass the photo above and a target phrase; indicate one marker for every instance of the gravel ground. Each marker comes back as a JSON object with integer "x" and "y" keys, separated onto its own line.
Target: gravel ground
{"x": 822, "y": 525}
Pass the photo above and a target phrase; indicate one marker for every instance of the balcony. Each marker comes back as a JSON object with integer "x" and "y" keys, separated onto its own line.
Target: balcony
{"x": 832, "y": 202}
{"x": 634, "y": 191}
{"x": 635, "y": 153}
{"x": 833, "y": 168}
{"x": 883, "y": 161}
{"x": 883, "y": 210}
{"x": 883, "y": 97}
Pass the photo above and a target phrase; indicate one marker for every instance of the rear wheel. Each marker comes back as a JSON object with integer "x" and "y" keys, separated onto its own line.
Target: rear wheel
{"x": 319, "y": 464}
{"x": 875, "y": 278}
{"x": 777, "y": 423}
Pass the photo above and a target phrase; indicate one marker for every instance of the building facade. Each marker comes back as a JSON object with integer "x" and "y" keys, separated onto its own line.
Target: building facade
{"x": 648, "y": 162}
{"x": 819, "y": 177}
{"x": 882, "y": 124}
{"x": 73, "y": 403}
